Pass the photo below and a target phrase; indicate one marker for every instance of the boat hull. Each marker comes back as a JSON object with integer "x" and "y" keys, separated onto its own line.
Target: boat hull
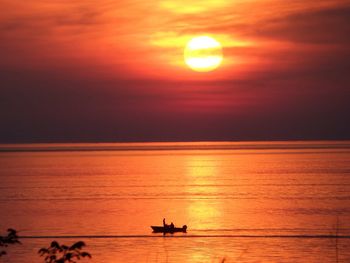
{"x": 161, "y": 229}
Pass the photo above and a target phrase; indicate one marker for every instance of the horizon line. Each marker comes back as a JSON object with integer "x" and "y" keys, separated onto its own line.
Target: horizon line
{"x": 173, "y": 146}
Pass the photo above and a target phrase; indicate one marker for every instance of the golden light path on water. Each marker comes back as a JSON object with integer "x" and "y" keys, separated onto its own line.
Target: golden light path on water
{"x": 201, "y": 172}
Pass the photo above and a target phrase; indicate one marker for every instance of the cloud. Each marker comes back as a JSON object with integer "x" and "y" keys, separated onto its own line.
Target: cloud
{"x": 330, "y": 26}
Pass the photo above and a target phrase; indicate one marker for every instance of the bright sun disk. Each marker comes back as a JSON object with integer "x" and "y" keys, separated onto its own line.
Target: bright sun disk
{"x": 203, "y": 54}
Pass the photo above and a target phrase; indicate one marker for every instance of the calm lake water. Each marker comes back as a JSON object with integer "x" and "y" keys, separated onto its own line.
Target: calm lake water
{"x": 246, "y": 202}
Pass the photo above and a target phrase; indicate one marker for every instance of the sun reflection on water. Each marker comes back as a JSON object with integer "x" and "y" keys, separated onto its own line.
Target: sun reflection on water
{"x": 201, "y": 173}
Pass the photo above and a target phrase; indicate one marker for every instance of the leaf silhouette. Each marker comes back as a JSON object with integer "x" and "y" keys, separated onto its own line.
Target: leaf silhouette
{"x": 69, "y": 256}
{"x": 12, "y": 231}
{"x": 57, "y": 253}
{"x": 54, "y": 244}
{"x": 85, "y": 254}
{"x": 10, "y": 239}
{"x": 78, "y": 245}
{"x": 43, "y": 251}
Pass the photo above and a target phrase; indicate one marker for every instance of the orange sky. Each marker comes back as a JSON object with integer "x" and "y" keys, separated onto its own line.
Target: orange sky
{"x": 139, "y": 38}
{"x": 278, "y": 56}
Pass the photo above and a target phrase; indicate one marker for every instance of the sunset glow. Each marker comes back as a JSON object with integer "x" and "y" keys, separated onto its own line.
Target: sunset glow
{"x": 127, "y": 123}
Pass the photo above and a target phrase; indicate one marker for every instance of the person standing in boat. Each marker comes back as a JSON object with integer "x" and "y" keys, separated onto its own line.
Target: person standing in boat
{"x": 164, "y": 224}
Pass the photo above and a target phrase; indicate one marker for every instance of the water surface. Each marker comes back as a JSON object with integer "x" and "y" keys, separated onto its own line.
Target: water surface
{"x": 247, "y": 202}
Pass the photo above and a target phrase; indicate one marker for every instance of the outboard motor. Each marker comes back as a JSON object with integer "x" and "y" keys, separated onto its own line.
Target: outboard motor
{"x": 184, "y": 228}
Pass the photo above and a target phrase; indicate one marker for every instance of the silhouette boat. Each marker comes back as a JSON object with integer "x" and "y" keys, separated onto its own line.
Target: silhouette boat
{"x": 168, "y": 229}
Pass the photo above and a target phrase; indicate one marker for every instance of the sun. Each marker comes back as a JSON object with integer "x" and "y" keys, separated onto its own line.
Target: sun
{"x": 203, "y": 54}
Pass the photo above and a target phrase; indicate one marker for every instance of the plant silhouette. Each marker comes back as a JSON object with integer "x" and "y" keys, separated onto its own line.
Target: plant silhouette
{"x": 10, "y": 239}
{"x": 57, "y": 253}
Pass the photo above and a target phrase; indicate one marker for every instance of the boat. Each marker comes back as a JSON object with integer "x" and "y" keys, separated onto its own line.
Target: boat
{"x": 168, "y": 229}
